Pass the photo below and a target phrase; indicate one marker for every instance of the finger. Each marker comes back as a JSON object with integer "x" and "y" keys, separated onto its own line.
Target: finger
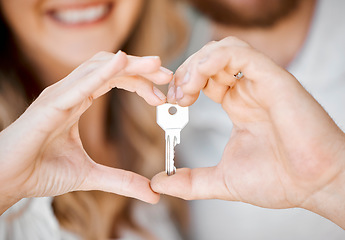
{"x": 102, "y": 56}
{"x": 215, "y": 91}
{"x": 143, "y": 87}
{"x": 183, "y": 72}
{"x": 185, "y": 67}
{"x": 190, "y": 184}
{"x": 183, "y": 77}
{"x": 225, "y": 77}
{"x": 135, "y": 65}
{"x": 82, "y": 89}
{"x": 171, "y": 94}
{"x": 160, "y": 77}
{"x": 143, "y": 65}
{"x": 148, "y": 67}
{"x": 145, "y": 70}
{"x": 89, "y": 66}
{"x": 121, "y": 182}
{"x": 186, "y": 100}
{"x": 208, "y": 63}
{"x": 175, "y": 94}
{"x": 229, "y": 56}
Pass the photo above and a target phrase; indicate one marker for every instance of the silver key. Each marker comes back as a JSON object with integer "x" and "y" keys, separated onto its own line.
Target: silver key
{"x": 171, "y": 118}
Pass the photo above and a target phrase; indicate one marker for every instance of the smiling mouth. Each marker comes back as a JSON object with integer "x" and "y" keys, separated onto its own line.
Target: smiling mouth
{"x": 77, "y": 16}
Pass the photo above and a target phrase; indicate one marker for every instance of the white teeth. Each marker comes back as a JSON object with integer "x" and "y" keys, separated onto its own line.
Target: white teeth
{"x": 84, "y": 15}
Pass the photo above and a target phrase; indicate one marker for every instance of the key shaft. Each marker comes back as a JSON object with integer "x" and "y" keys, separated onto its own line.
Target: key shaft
{"x": 171, "y": 118}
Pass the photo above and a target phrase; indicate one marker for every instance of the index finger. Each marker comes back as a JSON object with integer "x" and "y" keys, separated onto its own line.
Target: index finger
{"x": 230, "y": 55}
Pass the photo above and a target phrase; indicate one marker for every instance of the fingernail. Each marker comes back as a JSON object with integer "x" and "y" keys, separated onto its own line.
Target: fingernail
{"x": 159, "y": 93}
{"x": 165, "y": 70}
{"x": 186, "y": 78}
{"x": 153, "y": 57}
{"x": 171, "y": 93}
{"x": 179, "y": 93}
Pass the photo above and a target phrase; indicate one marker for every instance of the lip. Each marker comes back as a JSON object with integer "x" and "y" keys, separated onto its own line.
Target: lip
{"x": 79, "y": 15}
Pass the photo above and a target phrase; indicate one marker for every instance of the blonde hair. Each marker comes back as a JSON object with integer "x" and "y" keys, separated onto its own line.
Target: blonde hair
{"x": 137, "y": 141}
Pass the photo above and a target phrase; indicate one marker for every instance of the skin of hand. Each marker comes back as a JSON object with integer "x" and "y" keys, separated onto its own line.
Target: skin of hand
{"x": 284, "y": 150}
{"x": 41, "y": 153}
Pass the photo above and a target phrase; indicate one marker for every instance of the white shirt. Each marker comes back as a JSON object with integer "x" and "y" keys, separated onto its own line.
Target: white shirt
{"x": 320, "y": 67}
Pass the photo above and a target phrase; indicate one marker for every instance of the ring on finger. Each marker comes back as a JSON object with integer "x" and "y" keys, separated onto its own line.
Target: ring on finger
{"x": 239, "y": 75}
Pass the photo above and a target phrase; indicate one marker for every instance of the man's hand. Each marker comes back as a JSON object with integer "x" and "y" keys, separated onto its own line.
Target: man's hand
{"x": 284, "y": 150}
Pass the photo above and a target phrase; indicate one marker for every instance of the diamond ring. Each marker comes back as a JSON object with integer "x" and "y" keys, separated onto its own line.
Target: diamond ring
{"x": 239, "y": 75}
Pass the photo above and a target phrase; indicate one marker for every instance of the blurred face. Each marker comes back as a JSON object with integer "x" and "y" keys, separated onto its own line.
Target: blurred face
{"x": 246, "y": 13}
{"x": 70, "y": 31}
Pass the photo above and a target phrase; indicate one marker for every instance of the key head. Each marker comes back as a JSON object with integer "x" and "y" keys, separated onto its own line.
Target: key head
{"x": 172, "y": 116}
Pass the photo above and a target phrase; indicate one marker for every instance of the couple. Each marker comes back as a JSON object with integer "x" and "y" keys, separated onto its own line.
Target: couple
{"x": 51, "y": 148}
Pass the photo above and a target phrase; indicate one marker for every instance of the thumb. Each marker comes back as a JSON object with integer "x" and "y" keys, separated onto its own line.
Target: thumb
{"x": 191, "y": 184}
{"x": 120, "y": 182}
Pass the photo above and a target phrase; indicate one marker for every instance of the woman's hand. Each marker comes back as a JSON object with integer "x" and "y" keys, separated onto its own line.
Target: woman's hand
{"x": 41, "y": 153}
{"x": 284, "y": 150}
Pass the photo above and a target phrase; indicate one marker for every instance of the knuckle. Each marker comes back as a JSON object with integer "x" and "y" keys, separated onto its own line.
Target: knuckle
{"x": 46, "y": 91}
{"x": 101, "y": 54}
{"x": 210, "y": 43}
{"x": 230, "y": 39}
{"x": 207, "y": 45}
{"x": 234, "y": 41}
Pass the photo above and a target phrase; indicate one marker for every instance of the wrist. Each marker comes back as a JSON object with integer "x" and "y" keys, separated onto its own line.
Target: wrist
{"x": 329, "y": 203}
{"x": 329, "y": 200}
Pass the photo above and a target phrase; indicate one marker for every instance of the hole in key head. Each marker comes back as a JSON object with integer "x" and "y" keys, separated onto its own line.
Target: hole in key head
{"x": 172, "y": 110}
